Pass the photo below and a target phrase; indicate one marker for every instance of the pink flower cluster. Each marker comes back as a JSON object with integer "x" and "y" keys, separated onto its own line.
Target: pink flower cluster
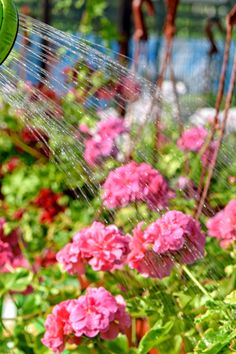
{"x": 5, "y": 254}
{"x": 184, "y": 183}
{"x": 176, "y": 237}
{"x": 136, "y": 183}
{"x": 58, "y": 328}
{"x": 10, "y": 252}
{"x": 96, "y": 312}
{"x": 105, "y": 248}
{"x": 223, "y": 225}
{"x": 192, "y": 139}
{"x": 102, "y": 144}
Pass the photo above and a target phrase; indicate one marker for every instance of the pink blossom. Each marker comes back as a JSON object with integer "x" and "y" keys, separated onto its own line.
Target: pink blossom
{"x": 58, "y": 327}
{"x": 93, "y": 312}
{"x": 120, "y": 322}
{"x": 136, "y": 183}
{"x": 99, "y": 312}
{"x": 105, "y": 248}
{"x": 144, "y": 259}
{"x": 84, "y": 129}
{"x": 111, "y": 127}
{"x": 179, "y": 235}
{"x": 10, "y": 249}
{"x": 223, "y": 225}
{"x": 175, "y": 237}
{"x": 103, "y": 143}
{"x": 184, "y": 183}
{"x": 6, "y": 255}
{"x": 216, "y": 225}
{"x": 71, "y": 258}
{"x": 96, "y": 312}
{"x": 97, "y": 148}
{"x": 192, "y": 139}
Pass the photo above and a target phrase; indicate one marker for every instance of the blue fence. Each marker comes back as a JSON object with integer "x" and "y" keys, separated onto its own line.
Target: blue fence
{"x": 190, "y": 59}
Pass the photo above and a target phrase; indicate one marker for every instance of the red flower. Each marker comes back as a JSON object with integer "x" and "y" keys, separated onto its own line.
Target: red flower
{"x": 47, "y": 259}
{"x": 18, "y": 214}
{"x": 32, "y": 136}
{"x": 48, "y": 201}
{"x": 12, "y": 164}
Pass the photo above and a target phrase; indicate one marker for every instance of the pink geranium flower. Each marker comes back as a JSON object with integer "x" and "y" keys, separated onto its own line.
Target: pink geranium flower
{"x": 143, "y": 258}
{"x": 99, "y": 312}
{"x": 97, "y": 148}
{"x": 95, "y": 313}
{"x": 111, "y": 127}
{"x": 176, "y": 237}
{"x": 58, "y": 327}
{"x": 103, "y": 143}
{"x": 71, "y": 258}
{"x": 83, "y": 128}
{"x": 192, "y": 139}
{"x": 10, "y": 252}
{"x": 120, "y": 322}
{"x": 105, "y": 248}
{"x": 180, "y": 235}
{"x": 184, "y": 183}
{"x": 6, "y": 255}
{"x": 136, "y": 183}
{"x": 223, "y": 225}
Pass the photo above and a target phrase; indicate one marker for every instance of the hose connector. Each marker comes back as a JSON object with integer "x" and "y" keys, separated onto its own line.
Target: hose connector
{"x": 9, "y": 23}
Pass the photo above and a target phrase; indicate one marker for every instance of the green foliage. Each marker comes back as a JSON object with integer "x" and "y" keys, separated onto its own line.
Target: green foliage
{"x": 193, "y": 309}
{"x": 155, "y": 336}
{"x": 19, "y": 280}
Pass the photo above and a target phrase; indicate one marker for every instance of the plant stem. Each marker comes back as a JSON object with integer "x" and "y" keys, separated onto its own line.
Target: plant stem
{"x": 31, "y": 151}
{"x": 196, "y": 282}
{"x": 138, "y": 214}
{"x": 133, "y": 335}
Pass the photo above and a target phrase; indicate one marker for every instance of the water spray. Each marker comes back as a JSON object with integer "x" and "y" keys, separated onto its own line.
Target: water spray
{"x": 8, "y": 28}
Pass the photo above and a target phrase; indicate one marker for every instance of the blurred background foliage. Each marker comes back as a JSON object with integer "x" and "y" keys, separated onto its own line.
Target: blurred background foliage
{"x": 102, "y": 16}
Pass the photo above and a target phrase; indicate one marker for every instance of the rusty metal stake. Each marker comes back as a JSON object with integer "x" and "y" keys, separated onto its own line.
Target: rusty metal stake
{"x": 219, "y": 142}
{"x": 231, "y": 21}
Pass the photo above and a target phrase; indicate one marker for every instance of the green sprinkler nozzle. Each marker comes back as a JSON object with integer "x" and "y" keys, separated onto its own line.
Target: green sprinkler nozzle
{"x": 9, "y": 23}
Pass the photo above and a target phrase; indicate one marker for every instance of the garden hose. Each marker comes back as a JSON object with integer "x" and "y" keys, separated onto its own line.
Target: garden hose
{"x": 9, "y": 23}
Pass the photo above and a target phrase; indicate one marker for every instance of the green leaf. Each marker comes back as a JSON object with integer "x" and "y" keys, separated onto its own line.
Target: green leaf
{"x": 81, "y": 350}
{"x": 214, "y": 342}
{"x": 17, "y": 281}
{"x": 119, "y": 345}
{"x": 156, "y": 335}
{"x": 231, "y": 298}
{"x": 172, "y": 346}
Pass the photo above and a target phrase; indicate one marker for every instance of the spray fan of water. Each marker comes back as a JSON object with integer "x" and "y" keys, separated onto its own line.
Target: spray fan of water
{"x": 77, "y": 86}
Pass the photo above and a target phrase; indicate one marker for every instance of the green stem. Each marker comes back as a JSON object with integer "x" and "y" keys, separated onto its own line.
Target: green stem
{"x": 196, "y": 282}
{"x": 139, "y": 217}
{"x": 133, "y": 335}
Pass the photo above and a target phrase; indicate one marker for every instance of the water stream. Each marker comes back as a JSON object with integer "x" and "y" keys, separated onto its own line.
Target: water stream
{"x": 77, "y": 85}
